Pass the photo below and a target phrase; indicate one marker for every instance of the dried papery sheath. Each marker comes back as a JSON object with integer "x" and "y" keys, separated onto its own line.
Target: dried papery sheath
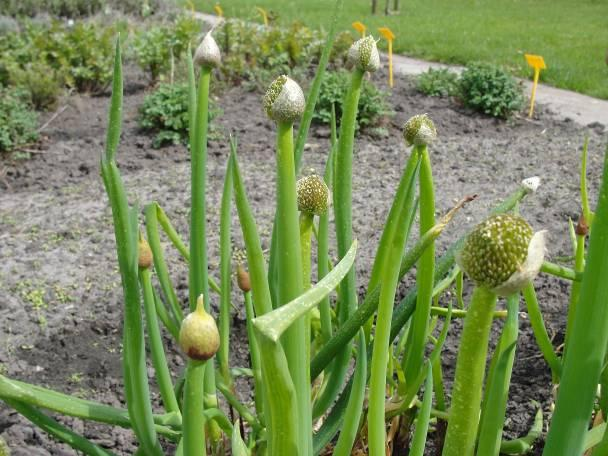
{"x": 313, "y": 195}
{"x": 199, "y": 337}
{"x": 363, "y": 54}
{"x": 531, "y": 184}
{"x": 502, "y": 254}
{"x": 284, "y": 100}
{"x": 242, "y": 278}
{"x": 419, "y": 131}
{"x": 145, "y": 258}
{"x": 208, "y": 53}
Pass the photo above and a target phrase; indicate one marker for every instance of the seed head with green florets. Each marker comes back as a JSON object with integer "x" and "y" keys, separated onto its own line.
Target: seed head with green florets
{"x": 363, "y": 54}
{"x": 284, "y": 100}
{"x": 502, "y": 254}
{"x": 419, "y": 131}
{"x": 313, "y": 195}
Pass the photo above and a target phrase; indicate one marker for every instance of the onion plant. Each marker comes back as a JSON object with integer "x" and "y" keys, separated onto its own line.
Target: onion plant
{"x": 332, "y": 370}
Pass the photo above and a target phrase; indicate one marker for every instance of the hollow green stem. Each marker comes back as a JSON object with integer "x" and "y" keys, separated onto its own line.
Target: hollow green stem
{"x": 193, "y": 439}
{"x": 424, "y": 271}
{"x": 558, "y": 270}
{"x": 254, "y": 353}
{"x": 157, "y": 350}
{"x": 391, "y": 248}
{"x": 167, "y": 320}
{"x": 342, "y": 197}
{"x": 497, "y": 387}
{"x": 243, "y": 411}
{"x": 468, "y": 381}
{"x": 306, "y": 224}
{"x": 160, "y": 266}
{"x": 540, "y": 332}
{"x": 290, "y": 279}
{"x": 424, "y": 415}
{"x": 225, "y": 276}
{"x": 579, "y": 265}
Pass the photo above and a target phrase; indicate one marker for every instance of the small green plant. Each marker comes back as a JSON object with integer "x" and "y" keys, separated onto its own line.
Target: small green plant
{"x": 490, "y": 90}
{"x": 159, "y": 47}
{"x": 18, "y": 123}
{"x": 165, "y": 112}
{"x": 41, "y": 82}
{"x": 373, "y": 102}
{"x": 438, "y": 82}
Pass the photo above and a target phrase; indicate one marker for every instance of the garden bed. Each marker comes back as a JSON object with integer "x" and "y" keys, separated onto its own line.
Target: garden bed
{"x": 61, "y": 312}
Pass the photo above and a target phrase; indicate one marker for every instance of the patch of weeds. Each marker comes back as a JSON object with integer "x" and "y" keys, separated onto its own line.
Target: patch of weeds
{"x": 490, "y": 90}
{"x": 438, "y": 83}
{"x": 373, "y": 104}
{"x": 76, "y": 378}
{"x": 18, "y": 122}
{"x": 165, "y": 112}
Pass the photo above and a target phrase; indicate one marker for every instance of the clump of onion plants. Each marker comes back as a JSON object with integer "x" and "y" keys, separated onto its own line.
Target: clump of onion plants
{"x": 333, "y": 370}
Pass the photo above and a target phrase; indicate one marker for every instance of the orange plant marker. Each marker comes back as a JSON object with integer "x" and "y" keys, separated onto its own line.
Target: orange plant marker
{"x": 389, "y": 36}
{"x": 218, "y": 10}
{"x": 538, "y": 63}
{"x": 359, "y": 27}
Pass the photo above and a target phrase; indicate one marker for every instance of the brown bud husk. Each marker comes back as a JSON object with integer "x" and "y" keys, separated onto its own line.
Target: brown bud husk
{"x": 242, "y": 278}
{"x": 581, "y": 229}
{"x": 199, "y": 337}
{"x": 146, "y": 258}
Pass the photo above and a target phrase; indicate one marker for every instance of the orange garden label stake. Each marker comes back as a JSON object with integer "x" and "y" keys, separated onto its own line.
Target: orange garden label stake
{"x": 359, "y": 27}
{"x": 218, "y": 10}
{"x": 389, "y": 36}
{"x": 538, "y": 63}
{"x": 264, "y": 15}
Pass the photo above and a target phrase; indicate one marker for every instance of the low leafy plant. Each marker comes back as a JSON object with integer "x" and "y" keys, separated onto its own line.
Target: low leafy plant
{"x": 18, "y": 122}
{"x": 490, "y": 90}
{"x": 373, "y": 102}
{"x": 438, "y": 82}
{"x": 158, "y": 47}
{"x": 76, "y": 8}
{"x": 165, "y": 112}
{"x": 296, "y": 335}
{"x": 40, "y": 81}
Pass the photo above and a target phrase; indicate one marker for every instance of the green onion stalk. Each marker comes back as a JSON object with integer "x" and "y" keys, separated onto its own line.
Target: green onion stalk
{"x": 200, "y": 379}
{"x": 284, "y": 103}
{"x": 363, "y": 56}
{"x": 502, "y": 255}
{"x": 390, "y": 252}
{"x": 125, "y": 228}
{"x": 419, "y": 131}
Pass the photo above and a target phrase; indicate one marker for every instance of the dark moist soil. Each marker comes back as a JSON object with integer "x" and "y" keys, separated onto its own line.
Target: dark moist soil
{"x": 60, "y": 295}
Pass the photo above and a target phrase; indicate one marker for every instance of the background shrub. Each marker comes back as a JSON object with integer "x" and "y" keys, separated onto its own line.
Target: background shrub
{"x": 438, "y": 83}
{"x": 40, "y": 81}
{"x": 76, "y": 8}
{"x": 156, "y": 48}
{"x": 491, "y": 90}
{"x": 373, "y": 105}
{"x": 165, "y": 112}
{"x": 18, "y": 123}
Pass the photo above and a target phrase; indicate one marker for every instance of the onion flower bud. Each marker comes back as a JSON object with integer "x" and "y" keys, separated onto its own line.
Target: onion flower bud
{"x": 284, "y": 101}
{"x": 363, "y": 55}
{"x": 208, "y": 53}
{"x": 502, "y": 254}
{"x": 145, "y": 258}
{"x": 242, "y": 279}
{"x": 199, "y": 337}
{"x": 419, "y": 131}
{"x": 313, "y": 195}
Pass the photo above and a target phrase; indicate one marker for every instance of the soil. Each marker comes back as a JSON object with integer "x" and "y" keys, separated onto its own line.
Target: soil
{"x": 60, "y": 295}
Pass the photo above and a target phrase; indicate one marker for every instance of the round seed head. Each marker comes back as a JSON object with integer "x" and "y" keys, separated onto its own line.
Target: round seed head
{"x": 313, "y": 195}
{"x": 199, "y": 337}
{"x": 502, "y": 254}
{"x": 242, "y": 278}
{"x": 284, "y": 100}
{"x": 208, "y": 53}
{"x": 419, "y": 131}
{"x": 363, "y": 54}
{"x": 145, "y": 258}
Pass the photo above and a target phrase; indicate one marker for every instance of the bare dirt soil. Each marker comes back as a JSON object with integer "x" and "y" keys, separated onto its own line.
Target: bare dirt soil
{"x": 60, "y": 296}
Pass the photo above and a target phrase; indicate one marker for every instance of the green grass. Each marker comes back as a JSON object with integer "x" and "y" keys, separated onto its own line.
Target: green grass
{"x": 572, "y": 35}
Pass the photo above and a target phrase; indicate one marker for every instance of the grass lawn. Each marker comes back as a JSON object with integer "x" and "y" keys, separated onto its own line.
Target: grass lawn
{"x": 572, "y": 35}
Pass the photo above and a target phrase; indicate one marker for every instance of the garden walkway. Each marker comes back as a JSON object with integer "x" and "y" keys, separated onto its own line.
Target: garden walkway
{"x": 583, "y": 109}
